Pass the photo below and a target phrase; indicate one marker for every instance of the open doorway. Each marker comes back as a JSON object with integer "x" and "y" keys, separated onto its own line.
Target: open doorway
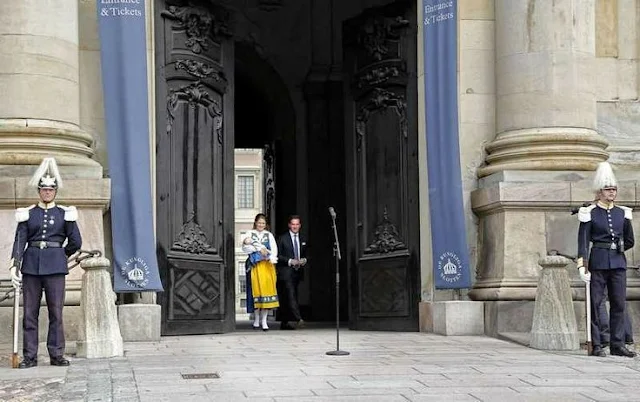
{"x": 263, "y": 174}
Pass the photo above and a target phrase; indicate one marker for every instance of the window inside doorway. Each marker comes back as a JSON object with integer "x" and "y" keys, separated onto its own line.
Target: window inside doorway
{"x": 246, "y": 192}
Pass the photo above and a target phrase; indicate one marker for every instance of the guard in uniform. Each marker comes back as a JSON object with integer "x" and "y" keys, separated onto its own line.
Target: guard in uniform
{"x": 39, "y": 262}
{"x": 607, "y": 228}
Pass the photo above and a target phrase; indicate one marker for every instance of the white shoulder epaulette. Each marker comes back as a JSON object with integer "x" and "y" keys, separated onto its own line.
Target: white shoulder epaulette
{"x": 628, "y": 212}
{"x": 22, "y": 214}
{"x": 584, "y": 213}
{"x": 70, "y": 213}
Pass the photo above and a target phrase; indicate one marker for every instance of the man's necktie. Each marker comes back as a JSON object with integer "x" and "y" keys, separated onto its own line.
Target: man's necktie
{"x": 296, "y": 248}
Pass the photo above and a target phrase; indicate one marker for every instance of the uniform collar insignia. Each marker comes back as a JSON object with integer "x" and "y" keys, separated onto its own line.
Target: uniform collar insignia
{"x": 45, "y": 205}
{"x": 605, "y": 205}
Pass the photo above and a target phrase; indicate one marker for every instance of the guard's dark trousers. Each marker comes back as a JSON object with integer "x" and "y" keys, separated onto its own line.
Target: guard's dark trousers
{"x": 615, "y": 281}
{"x": 32, "y": 287}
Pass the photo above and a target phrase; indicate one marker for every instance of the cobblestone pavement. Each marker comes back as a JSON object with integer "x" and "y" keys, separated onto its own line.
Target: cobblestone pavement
{"x": 293, "y": 366}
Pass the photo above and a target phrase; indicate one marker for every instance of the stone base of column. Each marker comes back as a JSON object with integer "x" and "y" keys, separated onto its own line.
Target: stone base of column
{"x": 553, "y": 148}
{"x": 28, "y": 141}
{"x": 523, "y": 216}
{"x": 452, "y": 317}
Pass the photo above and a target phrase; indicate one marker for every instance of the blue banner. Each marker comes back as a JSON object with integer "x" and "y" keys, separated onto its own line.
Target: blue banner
{"x": 448, "y": 232}
{"x": 124, "y": 80}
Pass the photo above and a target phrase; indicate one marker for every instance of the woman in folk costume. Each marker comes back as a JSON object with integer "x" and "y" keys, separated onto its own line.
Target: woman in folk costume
{"x": 261, "y": 246}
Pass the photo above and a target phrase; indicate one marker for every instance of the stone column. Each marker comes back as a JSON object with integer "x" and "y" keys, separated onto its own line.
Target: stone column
{"x": 39, "y": 107}
{"x": 540, "y": 163}
{"x": 546, "y": 102}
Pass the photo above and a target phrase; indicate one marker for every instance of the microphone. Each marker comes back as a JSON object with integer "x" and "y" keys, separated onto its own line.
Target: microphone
{"x": 332, "y": 212}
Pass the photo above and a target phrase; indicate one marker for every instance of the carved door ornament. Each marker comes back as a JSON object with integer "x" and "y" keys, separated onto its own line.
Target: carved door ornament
{"x": 381, "y": 99}
{"x": 386, "y": 238}
{"x": 379, "y": 75}
{"x": 192, "y": 239}
{"x": 269, "y": 182}
{"x": 199, "y": 69}
{"x": 195, "y": 94}
{"x": 199, "y": 24}
{"x": 377, "y": 32}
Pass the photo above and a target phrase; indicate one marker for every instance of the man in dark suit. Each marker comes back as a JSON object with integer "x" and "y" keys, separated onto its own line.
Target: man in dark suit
{"x": 291, "y": 258}
{"x": 39, "y": 262}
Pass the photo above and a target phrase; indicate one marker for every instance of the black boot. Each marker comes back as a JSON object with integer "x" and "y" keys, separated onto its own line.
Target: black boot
{"x": 28, "y": 363}
{"x": 622, "y": 351}
{"x": 597, "y": 351}
{"x": 59, "y": 361}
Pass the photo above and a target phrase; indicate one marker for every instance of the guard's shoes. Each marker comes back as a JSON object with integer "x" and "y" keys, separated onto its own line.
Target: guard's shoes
{"x": 300, "y": 324}
{"x": 59, "y": 361}
{"x": 28, "y": 363}
{"x": 597, "y": 351}
{"x": 622, "y": 351}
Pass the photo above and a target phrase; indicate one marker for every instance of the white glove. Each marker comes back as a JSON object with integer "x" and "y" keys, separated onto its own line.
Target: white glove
{"x": 585, "y": 276}
{"x": 273, "y": 260}
{"x": 303, "y": 262}
{"x": 16, "y": 277}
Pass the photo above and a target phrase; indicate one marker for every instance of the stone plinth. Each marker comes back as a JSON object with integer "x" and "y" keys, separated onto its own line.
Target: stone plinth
{"x": 554, "y": 319}
{"x": 452, "y": 317}
{"x": 140, "y": 322}
{"x": 98, "y": 331}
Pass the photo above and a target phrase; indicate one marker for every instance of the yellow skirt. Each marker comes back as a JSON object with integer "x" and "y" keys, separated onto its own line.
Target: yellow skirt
{"x": 263, "y": 285}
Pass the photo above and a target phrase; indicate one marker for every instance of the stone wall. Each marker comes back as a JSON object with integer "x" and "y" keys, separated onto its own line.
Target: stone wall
{"x": 617, "y": 29}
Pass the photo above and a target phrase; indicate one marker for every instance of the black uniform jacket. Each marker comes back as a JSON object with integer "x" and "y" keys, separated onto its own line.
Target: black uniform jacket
{"x": 608, "y": 230}
{"x": 40, "y": 236}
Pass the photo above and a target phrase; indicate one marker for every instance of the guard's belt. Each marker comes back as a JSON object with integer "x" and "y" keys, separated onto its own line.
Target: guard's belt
{"x": 607, "y": 245}
{"x": 45, "y": 244}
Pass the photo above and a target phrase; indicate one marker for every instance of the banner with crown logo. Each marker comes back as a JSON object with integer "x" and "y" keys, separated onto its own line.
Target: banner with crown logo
{"x": 448, "y": 231}
{"x": 124, "y": 79}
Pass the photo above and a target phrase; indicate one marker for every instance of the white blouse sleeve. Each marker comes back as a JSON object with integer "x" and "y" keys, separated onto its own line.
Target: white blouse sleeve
{"x": 273, "y": 256}
{"x": 248, "y": 248}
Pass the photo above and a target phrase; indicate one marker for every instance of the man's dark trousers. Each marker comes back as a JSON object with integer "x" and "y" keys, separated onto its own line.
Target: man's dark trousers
{"x": 615, "y": 280}
{"x": 32, "y": 287}
{"x": 288, "y": 280}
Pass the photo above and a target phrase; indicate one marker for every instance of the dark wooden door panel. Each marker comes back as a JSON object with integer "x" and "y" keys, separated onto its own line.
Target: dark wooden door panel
{"x": 194, "y": 147}
{"x": 382, "y": 168}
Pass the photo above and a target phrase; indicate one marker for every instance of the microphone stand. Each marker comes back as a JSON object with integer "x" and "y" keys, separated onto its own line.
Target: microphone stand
{"x": 338, "y": 257}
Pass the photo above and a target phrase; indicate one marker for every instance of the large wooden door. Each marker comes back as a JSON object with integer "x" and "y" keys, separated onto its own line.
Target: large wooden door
{"x": 382, "y": 168}
{"x": 194, "y": 150}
